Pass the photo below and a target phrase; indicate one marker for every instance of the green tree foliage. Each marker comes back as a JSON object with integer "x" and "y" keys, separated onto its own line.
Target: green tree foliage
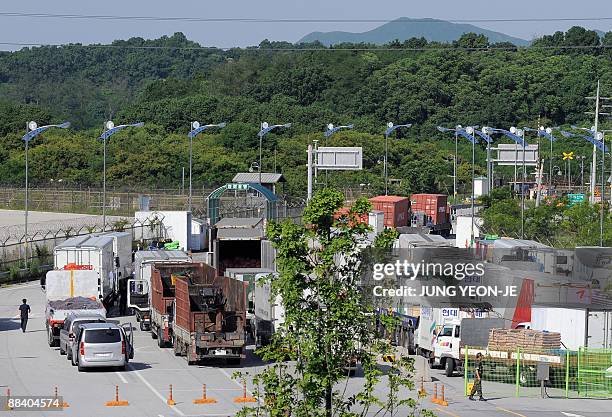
{"x": 167, "y": 88}
{"x": 327, "y": 322}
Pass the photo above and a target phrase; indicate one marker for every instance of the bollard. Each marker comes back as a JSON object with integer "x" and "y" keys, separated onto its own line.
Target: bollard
{"x": 422, "y": 392}
{"x": 442, "y": 401}
{"x": 63, "y": 404}
{"x": 8, "y": 398}
{"x": 435, "y": 396}
{"x": 116, "y": 403}
{"x": 244, "y": 398}
{"x": 170, "y": 400}
{"x": 204, "y": 399}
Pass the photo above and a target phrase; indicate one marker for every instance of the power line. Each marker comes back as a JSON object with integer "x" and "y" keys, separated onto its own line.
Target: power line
{"x": 449, "y": 48}
{"x": 296, "y": 20}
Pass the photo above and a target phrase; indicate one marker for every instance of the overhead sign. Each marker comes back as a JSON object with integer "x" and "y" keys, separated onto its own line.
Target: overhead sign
{"x": 340, "y": 158}
{"x": 512, "y": 153}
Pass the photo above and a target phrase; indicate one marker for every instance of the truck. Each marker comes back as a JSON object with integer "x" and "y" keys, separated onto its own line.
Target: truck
{"x": 139, "y": 285}
{"x": 69, "y": 291}
{"x": 163, "y": 279}
{"x": 456, "y": 334}
{"x": 248, "y": 275}
{"x": 269, "y": 314}
{"x": 106, "y": 254}
{"x": 209, "y": 316}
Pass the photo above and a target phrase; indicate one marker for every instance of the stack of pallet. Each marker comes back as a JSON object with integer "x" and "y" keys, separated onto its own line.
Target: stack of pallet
{"x": 527, "y": 339}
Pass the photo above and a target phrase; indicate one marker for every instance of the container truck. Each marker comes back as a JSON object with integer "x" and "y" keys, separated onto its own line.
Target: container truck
{"x": 163, "y": 279}
{"x": 209, "y": 317}
{"x": 108, "y": 255}
{"x": 69, "y": 291}
{"x": 139, "y": 286}
{"x": 269, "y": 313}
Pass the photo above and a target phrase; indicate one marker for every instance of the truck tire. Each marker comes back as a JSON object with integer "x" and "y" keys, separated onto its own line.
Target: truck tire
{"x": 161, "y": 343}
{"x": 72, "y": 361}
{"x": 142, "y": 326}
{"x": 449, "y": 367}
{"x": 50, "y": 339}
{"x": 153, "y": 333}
{"x": 62, "y": 350}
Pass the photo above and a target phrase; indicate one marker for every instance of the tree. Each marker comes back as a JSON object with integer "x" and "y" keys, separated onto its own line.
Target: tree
{"x": 327, "y": 324}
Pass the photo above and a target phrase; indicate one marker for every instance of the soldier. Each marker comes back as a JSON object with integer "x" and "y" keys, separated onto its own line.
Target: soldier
{"x": 477, "y": 388}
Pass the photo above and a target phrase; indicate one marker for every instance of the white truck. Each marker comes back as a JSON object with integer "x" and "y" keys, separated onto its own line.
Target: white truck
{"x": 107, "y": 254}
{"x": 69, "y": 291}
{"x": 269, "y": 313}
{"x": 456, "y": 334}
{"x": 431, "y": 320}
{"x": 139, "y": 286}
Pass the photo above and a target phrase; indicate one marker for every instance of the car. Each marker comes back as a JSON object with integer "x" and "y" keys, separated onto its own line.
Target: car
{"x": 103, "y": 345}
{"x": 68, "y": 331}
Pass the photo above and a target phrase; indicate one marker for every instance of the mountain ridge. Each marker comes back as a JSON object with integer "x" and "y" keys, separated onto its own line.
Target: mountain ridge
{"x": 405, "y": 28}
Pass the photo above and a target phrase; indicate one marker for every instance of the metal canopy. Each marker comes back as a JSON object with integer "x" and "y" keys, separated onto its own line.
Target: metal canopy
{"x": 213, "y": 199}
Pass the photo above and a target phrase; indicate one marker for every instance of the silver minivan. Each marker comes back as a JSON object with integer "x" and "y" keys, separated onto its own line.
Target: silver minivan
{"x": 69, "y": 330}
{"x": 103, "y": 345}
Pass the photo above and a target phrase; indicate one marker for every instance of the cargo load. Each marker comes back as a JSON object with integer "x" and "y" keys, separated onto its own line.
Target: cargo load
{"x": 395, "y": 209}
{"x": 527, "y": 339}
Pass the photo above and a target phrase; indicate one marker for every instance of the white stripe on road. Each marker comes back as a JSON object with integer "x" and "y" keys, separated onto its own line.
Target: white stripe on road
{"x": 121, "y": 377}
{"x": 156, "y": 392}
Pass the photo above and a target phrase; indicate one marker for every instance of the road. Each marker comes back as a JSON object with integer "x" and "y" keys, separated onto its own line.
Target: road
{"x": 30, "y": 367}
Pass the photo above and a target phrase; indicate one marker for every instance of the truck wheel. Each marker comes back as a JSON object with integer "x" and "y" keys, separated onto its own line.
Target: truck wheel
{"x": 62, "y": 351}
{"x": 449, "y": 367}
{"x": 50, "y": 338}
{"x": 153, "y": 333}
{"x": 72, "y": 361}
{"x": 142, "y": 326}
{"x": 68, "y": 355}
{"x": 160, "y": 342}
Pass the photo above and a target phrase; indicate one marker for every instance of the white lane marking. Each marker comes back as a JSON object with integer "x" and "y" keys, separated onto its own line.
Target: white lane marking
{"x": 121, "y": 377}
{"x": 160, "y": 415}
{"x": 570, "y": 414}
{"x": 154, "y": 391}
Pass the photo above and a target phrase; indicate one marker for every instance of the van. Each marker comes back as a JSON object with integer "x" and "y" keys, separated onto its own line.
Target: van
{"x": 103, "y": 345}
{"x": 68, "y": 331}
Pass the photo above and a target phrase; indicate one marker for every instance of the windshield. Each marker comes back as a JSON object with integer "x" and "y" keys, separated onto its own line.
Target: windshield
{"x": 77, "y": 323}
{"x": 446, "y": 331}
{"x": 102, "y": 336}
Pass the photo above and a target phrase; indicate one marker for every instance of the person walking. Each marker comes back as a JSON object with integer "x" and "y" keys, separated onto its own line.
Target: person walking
{"x": 477, "y": 387}
{"x": 24, "y": 309}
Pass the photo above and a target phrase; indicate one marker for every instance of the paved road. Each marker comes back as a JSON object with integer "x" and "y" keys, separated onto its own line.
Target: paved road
{"x": 29, "y": 367}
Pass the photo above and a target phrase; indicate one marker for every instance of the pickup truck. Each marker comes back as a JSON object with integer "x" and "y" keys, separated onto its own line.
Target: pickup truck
{"x": 69, "y": 291}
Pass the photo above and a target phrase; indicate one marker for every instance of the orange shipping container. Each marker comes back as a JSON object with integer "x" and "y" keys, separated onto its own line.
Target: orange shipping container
{"x": 395, "y": 209}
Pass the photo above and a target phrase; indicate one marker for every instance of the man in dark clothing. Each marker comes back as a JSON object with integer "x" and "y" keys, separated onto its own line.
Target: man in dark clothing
{"x": 24, "y": 310}
{"x": 477, "y": 388}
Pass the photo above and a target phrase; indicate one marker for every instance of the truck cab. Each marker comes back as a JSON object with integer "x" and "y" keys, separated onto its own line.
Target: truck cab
{"x": 446, "y": 347}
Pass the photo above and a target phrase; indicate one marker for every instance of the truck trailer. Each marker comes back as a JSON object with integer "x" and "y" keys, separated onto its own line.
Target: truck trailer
{"x": 209, "y": 316}
{"x": 69, "y": 291}
{"x": 107, "y": 254}
{"x": 139, "y": 286}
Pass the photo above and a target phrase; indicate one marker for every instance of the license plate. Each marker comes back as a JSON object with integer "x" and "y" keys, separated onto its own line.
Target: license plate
{"x": 102, "y": 355}
{"x": 220, "y": 352}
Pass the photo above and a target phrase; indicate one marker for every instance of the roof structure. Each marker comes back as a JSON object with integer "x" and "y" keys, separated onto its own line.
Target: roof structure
{"x": 253, "y": 177}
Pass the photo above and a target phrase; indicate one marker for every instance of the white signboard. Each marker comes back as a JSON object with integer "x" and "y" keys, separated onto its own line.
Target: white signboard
{"x": 340, "y": 158}
{"x": 511, "y": 153}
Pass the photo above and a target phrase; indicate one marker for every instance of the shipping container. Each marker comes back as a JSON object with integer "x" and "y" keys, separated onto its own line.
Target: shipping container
{"x": 209, "y": 316}
{"x": 396, "y": 209}
{"x": 433, "y": 206}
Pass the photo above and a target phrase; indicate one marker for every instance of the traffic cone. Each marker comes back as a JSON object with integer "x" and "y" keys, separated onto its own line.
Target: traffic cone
{"x": 204, "y": 399}
{"x": 170, "y": 400}
{"x": 244, "y": 398}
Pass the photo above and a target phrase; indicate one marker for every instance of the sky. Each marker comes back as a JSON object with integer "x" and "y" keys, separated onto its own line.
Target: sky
{"x": 228, "y": 34}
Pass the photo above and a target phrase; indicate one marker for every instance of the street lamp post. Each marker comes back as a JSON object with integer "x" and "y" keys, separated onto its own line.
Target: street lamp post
{"x": 196, "y": 129}
{"x": 32, "y": 131}
{"x": 264, "y": 130}
{"x": 109, "y": 130}
{"x": 331, "y": 129}
{"x": 390, "y": 129}
{"x": 457, "y": 129}
{"x": 521, "y": 133}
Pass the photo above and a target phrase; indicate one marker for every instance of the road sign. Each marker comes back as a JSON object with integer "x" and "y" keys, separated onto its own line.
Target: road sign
{"x": 340, "y": 158}
{"x": 576, "y": 199}
{"x": 568, "y": 155}
{"x": 510, "y": 154}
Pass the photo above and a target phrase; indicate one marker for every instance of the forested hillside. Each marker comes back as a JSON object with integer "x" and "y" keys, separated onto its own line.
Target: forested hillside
{"x": 171, "y": 81}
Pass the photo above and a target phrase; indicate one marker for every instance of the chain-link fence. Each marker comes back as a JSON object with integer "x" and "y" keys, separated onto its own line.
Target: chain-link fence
{"x": 535, "y": 373}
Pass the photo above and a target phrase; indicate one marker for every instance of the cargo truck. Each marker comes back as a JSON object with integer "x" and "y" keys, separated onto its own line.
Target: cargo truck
{"x": 139, "y": 286}
{"x": 269, "y": 313}
{"x": 106, "y": 254}
{"x": 69, "y": 291}
{"x": 209, "y": 317}
{"x": 456, "y": 334}
{"x": 163, "y": 279}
